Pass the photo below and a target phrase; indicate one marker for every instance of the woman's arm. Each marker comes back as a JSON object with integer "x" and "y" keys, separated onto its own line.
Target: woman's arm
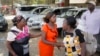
{"x": 82, "y": 42}
{"x": 83, "y": 49}
{"x": 35, "y": 35}
{"x": 8, "y": 43}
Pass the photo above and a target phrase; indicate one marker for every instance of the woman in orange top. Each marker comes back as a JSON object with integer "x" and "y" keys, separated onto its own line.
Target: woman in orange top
{"x": 49, "y": 36}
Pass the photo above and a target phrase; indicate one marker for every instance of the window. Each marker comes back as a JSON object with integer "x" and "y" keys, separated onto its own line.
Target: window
{"x": 37, "y": 11}
{"x": 46, "y": 11}
{"x": 65, "y": 9}
{"x": 26, "y": 8}
{"x": 42, "y": 9}
{"x": 71, "y": 12}
{"x": 80, "y": 14}
{"x": 57, "y": 12}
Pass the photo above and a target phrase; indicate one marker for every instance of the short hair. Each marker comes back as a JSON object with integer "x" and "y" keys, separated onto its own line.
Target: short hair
{"x": 48, "y": 16}
{"x": 17, "y": 19}
{"x": 71, "y": 21}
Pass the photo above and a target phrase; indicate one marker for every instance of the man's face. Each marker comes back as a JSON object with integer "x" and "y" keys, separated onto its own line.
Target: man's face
{"x": 91, "y": 6}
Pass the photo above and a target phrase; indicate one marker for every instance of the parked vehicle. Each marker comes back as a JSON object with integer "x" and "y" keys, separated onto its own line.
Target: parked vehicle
{"x": 34, "y": 12}
{"x": 77, "y": 13}
{"x": 36, "y": 22}
{"x": 3, "y": 23}
{"x": 28, "y": 11}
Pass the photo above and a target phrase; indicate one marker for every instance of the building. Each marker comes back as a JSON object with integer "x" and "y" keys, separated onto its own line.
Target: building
{"x": 82, "y": 3}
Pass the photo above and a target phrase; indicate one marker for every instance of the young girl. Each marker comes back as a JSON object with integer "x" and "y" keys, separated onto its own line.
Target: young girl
{"x": 73, "y": 38}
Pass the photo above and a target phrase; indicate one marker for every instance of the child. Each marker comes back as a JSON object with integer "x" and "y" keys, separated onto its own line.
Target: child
{"x": 73, "y": 38}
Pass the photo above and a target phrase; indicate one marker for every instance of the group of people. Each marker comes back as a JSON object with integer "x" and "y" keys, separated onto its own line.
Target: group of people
{"x": 19, "y": 35}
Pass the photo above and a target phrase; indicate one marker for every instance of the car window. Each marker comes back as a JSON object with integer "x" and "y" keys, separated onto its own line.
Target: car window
{"x": 65, "y": 9}
{"x": 27, "y": 8}
{"x": 63, "y": 12}
{"x": 69, "y": 13}
{"x": 57, "y": 12}
{"x": 37, "y": 11}
{"x": 80, "y": 14}
{"x": 62, "y": 15}
{"x": 42, "y": 9}
{"x": 45, "y": 11}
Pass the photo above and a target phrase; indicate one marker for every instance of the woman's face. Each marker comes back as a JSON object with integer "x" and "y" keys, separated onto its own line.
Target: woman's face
{"x": 65, "y": 25}
{"x": 22, "y": 22}
{"x": 53, "y": 19}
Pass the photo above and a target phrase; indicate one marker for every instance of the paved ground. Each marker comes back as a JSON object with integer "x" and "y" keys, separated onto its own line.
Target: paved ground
{"x": 33, "y": 43}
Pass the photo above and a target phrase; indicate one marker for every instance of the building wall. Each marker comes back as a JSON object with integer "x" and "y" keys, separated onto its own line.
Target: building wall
{"x": 82, "y": 3}
{"x": 77, "y": 1}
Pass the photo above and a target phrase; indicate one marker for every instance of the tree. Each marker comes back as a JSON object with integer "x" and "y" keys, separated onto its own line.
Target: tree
{"x": 98, "y": 2}
{"x": 5, "y": 2}
{"x": 28, "y": 2}
{"x": 50, "y": 1}
{"x": 38, "y": 2}
{"x": 66, "y": 2}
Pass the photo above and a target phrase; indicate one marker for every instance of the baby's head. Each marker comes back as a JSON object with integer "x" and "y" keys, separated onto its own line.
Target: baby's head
{"x": 69, "y": 23}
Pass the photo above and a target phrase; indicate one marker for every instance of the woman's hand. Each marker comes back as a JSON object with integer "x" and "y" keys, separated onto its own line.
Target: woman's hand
{"x": 58, "y": 47}
{"x": 59, "y": 44}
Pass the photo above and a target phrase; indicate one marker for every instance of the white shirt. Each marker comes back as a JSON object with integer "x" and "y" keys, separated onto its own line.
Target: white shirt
{"x": 11, "y": 36}
{"x": 92, "y": 21}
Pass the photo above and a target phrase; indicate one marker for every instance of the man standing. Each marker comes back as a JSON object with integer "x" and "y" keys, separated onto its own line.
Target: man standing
{"x": 91, "y": 19}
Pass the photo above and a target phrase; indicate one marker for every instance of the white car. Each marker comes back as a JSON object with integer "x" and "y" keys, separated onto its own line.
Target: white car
{"x": 77, "y": 13}
{"x": 36, "y": 22}
{"x": 29, "y": 11}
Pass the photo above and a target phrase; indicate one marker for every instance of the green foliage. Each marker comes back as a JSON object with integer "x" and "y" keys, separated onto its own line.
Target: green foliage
{"x": 28, "y": 2}
{"x": 38, "y": 1}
